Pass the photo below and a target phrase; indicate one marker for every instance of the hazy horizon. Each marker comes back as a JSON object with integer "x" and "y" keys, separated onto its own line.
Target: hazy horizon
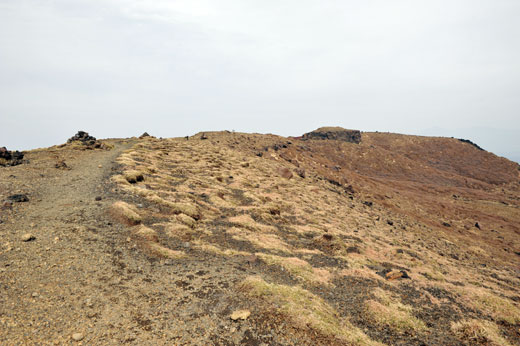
{"x": 117, "y": 68}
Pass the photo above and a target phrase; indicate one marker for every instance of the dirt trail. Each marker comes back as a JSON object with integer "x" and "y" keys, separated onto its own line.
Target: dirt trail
{"x": 305, "y": 255}
{"x": 84, "y": 278}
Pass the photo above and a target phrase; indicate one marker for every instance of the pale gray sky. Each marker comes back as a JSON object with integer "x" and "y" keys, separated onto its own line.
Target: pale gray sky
{"x": 117, "y": 68}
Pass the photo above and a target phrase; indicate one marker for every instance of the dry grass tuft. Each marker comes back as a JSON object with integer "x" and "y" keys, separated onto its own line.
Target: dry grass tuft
{"x": 298, "y": 268}
{"x": 146, "y": 233}
{"x": 306, "y": 310}
{"x": 186, "y": 209}
{"x": 119, "y": 179}
{"x": 263, "y": 240}
{"x": 478, "y": 332}
{"x": 499, "y": 308}
{"x": 387, "y": 311}
{"x": 187, "y": 220}
{"x": 217, "y": 250}
{"x": 245, "y": 221}
{"x": 125, "y": 213}
{"x": 133, "y": 176}
{"x": 179, "y": 231}
{"x": 164, "y": 252}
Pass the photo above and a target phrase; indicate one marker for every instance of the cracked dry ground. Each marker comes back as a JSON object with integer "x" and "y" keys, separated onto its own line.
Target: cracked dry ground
{"x": 189, "y": 231}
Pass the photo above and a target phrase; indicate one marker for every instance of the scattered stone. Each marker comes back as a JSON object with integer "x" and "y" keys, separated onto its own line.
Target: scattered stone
{"x": 34, "y": 295}
{"x": 353, "y": 249}
{"x": 301, "y": 172}
{"x": 446, "y": 224}
{"x": 186, "y": 245}
{"x": 28, "y": 237}
{"x": 327, "y": 237}
{"x": 349, "y": 189}
{"x": 144, "y": 135}
{"x": 77, "y": 336}
{"x": 18, "y": 198}
{"x": 396, "y": 274}
{"x": 285, "y": 173}
{"x": 252, "y": 259}
{"x": 390, "y": 222}
{"x": 61, "y": 165}
{"x": 334, "y": 182}
{"x": 203, "y": 136}
{"x": 368, "y": 203}
{"x": 240, "y": 315}
{"x": 98, "y": 198}
{"x": 88, "y": 303}
{"x": 477, "y": 225}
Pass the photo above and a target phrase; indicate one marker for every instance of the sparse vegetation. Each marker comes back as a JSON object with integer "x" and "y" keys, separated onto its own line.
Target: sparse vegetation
{"x": 387, "y": 311}
{"x": 133, "y": 176}
{"x": 306, "y": 310}
{"x": 125, "y": 213}
{"x": 298, "y": 268}
{"x": 331, "y": 228}
{"x": 478, "y": 332}
{"x": 499, "y": 308}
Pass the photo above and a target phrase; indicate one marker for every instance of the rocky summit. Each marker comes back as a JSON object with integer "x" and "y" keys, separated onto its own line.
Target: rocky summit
{"x": 336, "y": 237}
{"x": 86, "y": 141}
{"x": 335, "y": 133}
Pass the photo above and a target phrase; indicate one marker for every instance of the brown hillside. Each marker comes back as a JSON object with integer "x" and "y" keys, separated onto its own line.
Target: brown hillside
{"x": 231, "y": 238}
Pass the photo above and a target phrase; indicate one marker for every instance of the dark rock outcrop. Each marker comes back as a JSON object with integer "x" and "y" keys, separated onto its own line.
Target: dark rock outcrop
{"x": 18, "y": 198}
{"x": 10, "y": 158}
{"x": 335, "y": 133}
{"x": 83, "y": 137}
{"x": 471, "y": 143}
{"x": 87, "y": 140}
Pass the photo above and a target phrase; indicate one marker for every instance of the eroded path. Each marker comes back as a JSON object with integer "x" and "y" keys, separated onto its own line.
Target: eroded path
{"x": 222, "y": 228}
{"x": 82, "y": 276}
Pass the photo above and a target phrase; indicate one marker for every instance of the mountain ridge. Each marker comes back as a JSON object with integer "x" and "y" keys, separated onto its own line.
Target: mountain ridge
{"x": 234, "y": 238}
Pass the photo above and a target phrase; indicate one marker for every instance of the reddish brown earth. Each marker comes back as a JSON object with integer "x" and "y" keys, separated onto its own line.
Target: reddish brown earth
{"x": 398, "y": 240}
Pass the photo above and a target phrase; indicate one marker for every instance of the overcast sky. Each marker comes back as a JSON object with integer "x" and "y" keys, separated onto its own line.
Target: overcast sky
{"x": 117, "y": 68}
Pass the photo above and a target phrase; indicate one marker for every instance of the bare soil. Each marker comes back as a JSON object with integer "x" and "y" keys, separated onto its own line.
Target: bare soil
{"x": 352, "y": 218}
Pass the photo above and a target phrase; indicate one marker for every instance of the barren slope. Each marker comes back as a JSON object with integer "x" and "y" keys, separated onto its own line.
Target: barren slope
{"x": 321, "y": 241}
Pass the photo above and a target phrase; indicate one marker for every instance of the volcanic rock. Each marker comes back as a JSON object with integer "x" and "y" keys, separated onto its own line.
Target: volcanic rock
{"x": 240, "y": 315}
{"x": 87, "y": 140}
{"x": 83, "y": 137}
{"x": 335, "y": 133}
{"x": 18, "y": 198}
{"x": 27, "y": 237}
{"x": 10, "y": 158}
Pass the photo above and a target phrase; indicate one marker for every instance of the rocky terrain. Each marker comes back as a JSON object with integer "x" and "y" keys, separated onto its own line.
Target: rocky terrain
{"x": 333, "y": 238}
